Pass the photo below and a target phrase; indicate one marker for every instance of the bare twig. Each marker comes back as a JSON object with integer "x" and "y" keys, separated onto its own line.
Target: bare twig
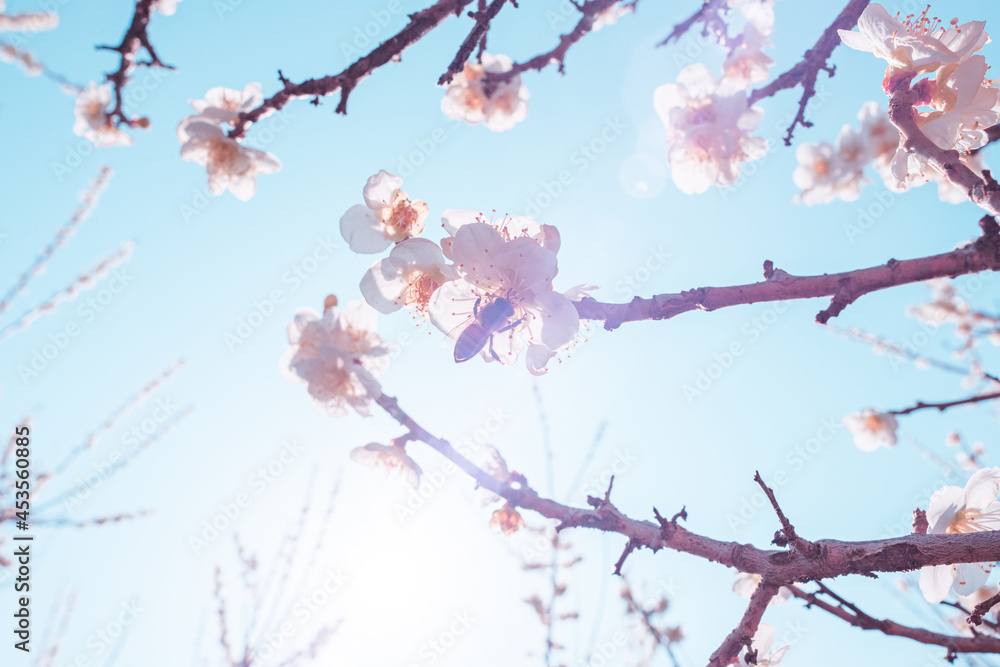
{"x": 941, "y": 407}
{"x": 589, "y": 10}
{"x": 850, "y": 613}
{"x": 476, "y": 36}
{"x": 136, "y": 38}
{"x": 390, "y": 50}
{"x": 813, "y": 62}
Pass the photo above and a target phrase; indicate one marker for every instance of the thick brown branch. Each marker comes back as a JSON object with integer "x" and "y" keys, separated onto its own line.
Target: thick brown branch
{"x": 136, "y": 38}
{"x": 984, "y": 192}
{"x": 808, "y": 69}
{"x": 390, "y": 50}
{"x": 742, "y": 634}
{"x": 845, "y": 288}
{"x": 975, "y": 644}
{"x": 780, "y": 567}
{"x": 590, "y": 9}
{"x": 476, "y": 36}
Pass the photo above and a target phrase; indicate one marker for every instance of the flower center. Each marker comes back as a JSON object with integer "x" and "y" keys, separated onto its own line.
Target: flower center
{"x": 223, "y": 153}
{"x": 418, "y": 291}
{"x": 969, "y": 520}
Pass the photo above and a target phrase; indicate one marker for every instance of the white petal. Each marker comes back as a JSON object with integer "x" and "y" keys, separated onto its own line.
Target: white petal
{"x": 982, "y": 488}
{"x": 944, "y": 505}
{"x": 381, "y": 286}
{"x": 381, "y": 188}
{"x": 536, "y": 357}
{"x": 558, "y": 319}
{"x": 936, "y": 581}
{"x": 416, "y": 253}
{"x": 363, "y": 232}
{"x": 969, "y": 578}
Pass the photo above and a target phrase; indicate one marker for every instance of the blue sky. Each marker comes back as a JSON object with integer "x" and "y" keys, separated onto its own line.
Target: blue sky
{"x": 193, "y": 278}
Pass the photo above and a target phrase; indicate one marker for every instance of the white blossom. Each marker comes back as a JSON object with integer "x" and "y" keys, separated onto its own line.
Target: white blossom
{"x": 872, "y": 429}
{"x": 387, "y": 216}
{"x": 466, "y": 97}
{"x": 230, "y": 165}
{"x": 952, "y": 510}
{"x": 92, "y": 120}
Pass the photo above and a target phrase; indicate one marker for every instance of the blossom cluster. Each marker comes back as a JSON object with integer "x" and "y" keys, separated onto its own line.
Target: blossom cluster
{"x": 487, "y": 284}
{"x": 956, "y": 102}
{"x": 338, "y": 355}
{"x": 230, "y": 165}
{"x": 475, "y": 98}
{"x": 709, "y": 120}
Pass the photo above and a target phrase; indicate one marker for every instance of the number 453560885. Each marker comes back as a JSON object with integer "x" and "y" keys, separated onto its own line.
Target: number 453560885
{"x": 23, "y": 484}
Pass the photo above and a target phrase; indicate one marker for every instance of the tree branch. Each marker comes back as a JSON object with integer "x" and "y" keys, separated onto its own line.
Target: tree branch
{"x": 845, "y": 288}
{"x": 136, "y": 38}
{"x": 742, "y": 634}
{"x": 807, "y": 70}
{"x": 589, "y": 9}
{"x": 984, "y": 192}
{"x": 476, "y": 36}
{"x": 941, "y": 407}
{"x": 390, "y": 50}
{"x": 976, "y": 644}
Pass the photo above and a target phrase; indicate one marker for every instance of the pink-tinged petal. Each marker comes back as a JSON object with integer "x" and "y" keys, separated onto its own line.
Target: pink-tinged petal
{"x": 876, "y": 24}
{"x": 537, "y": 357}
{"x": 533, "y": 265}
{"x": 559, "y": 322}
{"x": 856, "y": 40}
{"x": 363, "y": 232}
{"x": 474, "y": 249}
{"x": 990, "y": 519}
{"x": 200, "y": 128}
{"x": 263, "y": 163}
{"x": 944, "y": 505}
{"x": 936, "y": 581}
{"x": 416, "y": 253}
{"x": 243, "y": 187}
{"x": 453, "y": 218}
{"x": 302, "y": 318}
{"x": 666, "y": 98}
{"x": 380, "y": 189}
{"x": 982, "y": 488}
{"x": 451, "y": 307}
{"x": 381, "y": 286}
{"x": 577, "y": 292}
{"x": 550, "y": 238}
{"x": 697, "y": 79}
{"x": 969, "y": 577}
{"x": 252, "y": 96}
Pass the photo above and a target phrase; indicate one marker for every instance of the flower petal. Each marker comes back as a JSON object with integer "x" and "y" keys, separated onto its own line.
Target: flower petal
{"x": 363, "y": 232}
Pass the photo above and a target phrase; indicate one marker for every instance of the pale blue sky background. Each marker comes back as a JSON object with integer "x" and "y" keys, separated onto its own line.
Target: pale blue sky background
{"x": 193, "y": 280}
